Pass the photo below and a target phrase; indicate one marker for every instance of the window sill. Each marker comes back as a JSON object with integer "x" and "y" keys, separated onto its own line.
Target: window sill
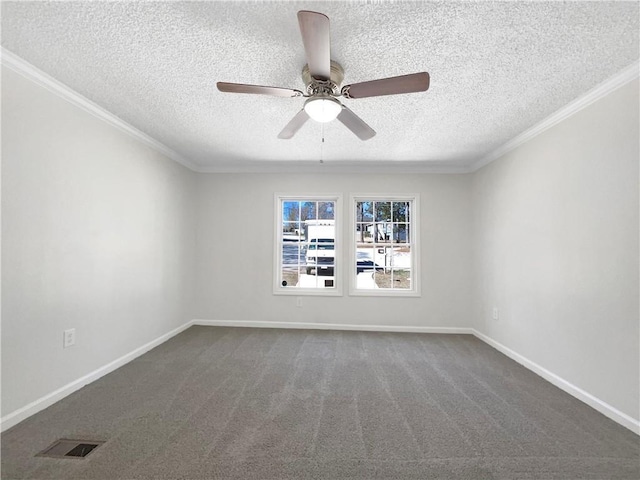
{"x": 384, "y": 293}
{"x": 312, "y": 292}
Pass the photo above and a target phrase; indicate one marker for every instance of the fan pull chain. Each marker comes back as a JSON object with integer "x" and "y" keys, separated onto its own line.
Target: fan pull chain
{"x": 322, "y": 145}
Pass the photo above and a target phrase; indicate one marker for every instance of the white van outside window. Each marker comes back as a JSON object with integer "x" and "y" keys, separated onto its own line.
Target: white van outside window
{"x": 307, "y": 245}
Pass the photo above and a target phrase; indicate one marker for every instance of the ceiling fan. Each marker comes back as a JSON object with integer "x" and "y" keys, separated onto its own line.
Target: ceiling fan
{"x": 322, "y": 77}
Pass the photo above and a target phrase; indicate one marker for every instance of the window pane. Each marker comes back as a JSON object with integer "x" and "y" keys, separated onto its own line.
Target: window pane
{"x": 367, "y": 258}
{"x": 382, "y": 232}
{"x": 400, "y": 211}
{"x": 401, "y": 233}
{"x": 290, "y": 211}
{"x": 307, "y": 247}
{"x": 365, "y": 278}
{"x": 401, "y": 279}
{"x": 382, "y": 279}
{"x": 363, "y": 232}
{"x": 291, "y": 232}
{"x": 291, "y": 254}
{"x": 383, "y": 211}
{"x": 383, "y": 245}
{"x": 326, "y": 210}
{"x": 402, "y": 257}
{"x": 308, "y": 211}
{"x": 289, "y": 277}
{"x": 364, "y": 211}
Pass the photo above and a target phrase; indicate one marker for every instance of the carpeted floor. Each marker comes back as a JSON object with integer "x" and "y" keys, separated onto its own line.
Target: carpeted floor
{"x": 264, "y": 404}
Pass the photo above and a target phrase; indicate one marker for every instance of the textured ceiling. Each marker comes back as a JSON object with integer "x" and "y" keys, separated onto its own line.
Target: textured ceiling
{"x": 496, "y": 70}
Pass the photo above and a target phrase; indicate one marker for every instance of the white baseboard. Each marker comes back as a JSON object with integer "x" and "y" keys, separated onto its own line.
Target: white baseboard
{"x": 34, "y": 407}
{"x": 331, "y": 326}
{"x": 594, "y": 402}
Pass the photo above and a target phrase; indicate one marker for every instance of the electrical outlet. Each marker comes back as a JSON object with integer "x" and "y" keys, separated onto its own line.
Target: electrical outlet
{"x": 495, "y": 313}
{"x": 299, "y": 302}
{"x": 69, "y": 338}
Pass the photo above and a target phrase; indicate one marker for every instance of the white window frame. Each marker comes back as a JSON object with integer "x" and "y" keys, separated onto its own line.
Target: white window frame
{"x": 414, "y": 244}
{"x": 334, "y": 291}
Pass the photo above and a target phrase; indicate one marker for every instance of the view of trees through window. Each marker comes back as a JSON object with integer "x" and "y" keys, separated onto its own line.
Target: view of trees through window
{"x": 383, "y": 244}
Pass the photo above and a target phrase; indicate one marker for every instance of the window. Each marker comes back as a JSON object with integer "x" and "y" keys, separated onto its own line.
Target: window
{"x": 384, "y": 245}
{"x": 307, "y": 245}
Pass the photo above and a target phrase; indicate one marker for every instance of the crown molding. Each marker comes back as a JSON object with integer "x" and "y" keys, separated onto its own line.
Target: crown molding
{"x": 22, "y": 67}
{"x": 337, "y": 167}
{"x": 620, "y": 79}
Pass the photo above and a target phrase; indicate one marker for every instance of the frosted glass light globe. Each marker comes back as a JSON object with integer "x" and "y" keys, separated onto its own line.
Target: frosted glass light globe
{"x": 322, "y": 109}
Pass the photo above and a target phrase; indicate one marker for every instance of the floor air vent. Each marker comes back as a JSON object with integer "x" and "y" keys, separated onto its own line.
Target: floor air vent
{"x": 66, "y": 448}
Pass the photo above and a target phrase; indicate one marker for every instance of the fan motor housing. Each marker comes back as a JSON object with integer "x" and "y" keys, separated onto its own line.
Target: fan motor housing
{"x": 315, "y": 86}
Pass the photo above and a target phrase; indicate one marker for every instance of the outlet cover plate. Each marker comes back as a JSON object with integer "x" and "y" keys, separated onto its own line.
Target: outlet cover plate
{"x": 69, "y": 337}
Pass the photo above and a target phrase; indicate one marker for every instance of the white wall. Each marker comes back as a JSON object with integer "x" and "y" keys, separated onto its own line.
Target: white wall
{"x": 97, "y": 234}
{"x": 556, "y": 250}
{"x": 235, "y": 251}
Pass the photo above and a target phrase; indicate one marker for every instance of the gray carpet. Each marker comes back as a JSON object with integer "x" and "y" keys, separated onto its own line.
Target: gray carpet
{"x": 243, "y": 403}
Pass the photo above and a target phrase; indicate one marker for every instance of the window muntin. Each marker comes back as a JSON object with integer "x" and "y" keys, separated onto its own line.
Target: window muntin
{"x": 384, "y": 249}
{"x": 306, "y": 245}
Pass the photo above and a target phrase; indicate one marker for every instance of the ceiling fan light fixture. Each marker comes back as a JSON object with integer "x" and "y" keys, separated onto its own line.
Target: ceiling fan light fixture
{"x": 322, "y": 109}
{"x": 322, "y": 78}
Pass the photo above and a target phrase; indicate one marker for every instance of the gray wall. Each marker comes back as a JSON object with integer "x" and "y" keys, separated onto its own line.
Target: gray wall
{"x": 97, "y": 235}
{"x": 103, "y": 234}
{"x": 235, "y": 251}
{"x": 556, "y": 250}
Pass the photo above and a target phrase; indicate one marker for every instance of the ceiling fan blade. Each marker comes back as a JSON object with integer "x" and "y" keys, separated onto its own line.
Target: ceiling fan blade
{"x": 355, "y": 124}
{"x": 259, "y": 89}
{"x": 314, "y": 28}
{"x": 294, "y": 125}
{"x": 415, "y": 82}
